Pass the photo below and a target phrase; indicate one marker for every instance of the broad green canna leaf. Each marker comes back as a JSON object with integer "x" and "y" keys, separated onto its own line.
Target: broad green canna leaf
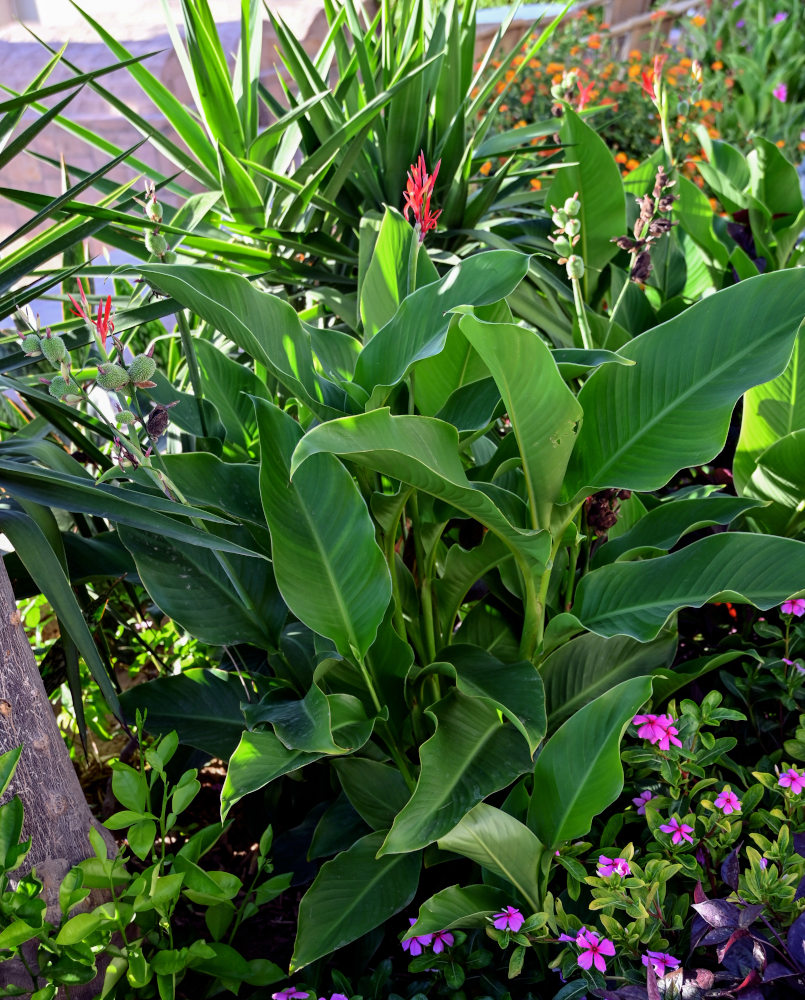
{"x": 351, "y": 895}
{"x": 423, "y": 452}
{"x": 419, "y": 327}
{"x": 636, "y": 598}
{"x": 672, "y": 409}
{"x": 328, "y": 566}
{"x": 579, "y": 772}
{"x": 502, "y": 845}
{"x": 471, "y": 755}
{"x": 544, "y": 413}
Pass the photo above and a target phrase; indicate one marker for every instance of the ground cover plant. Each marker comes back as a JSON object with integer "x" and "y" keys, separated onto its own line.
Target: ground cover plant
{"x": 448, "y": 536}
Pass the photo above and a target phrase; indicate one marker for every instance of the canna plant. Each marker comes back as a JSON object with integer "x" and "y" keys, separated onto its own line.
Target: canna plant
{"x": 412, "y": 530}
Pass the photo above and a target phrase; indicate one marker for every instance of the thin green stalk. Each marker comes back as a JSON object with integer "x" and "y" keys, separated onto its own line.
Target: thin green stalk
{"x": 618, "y": 301}
{"x": 584, "y": 326}
{"x": 192, "y": 368}
{"x": 385, "y": 730}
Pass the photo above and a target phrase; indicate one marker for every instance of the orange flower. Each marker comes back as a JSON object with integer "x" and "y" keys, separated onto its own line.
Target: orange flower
{"x": 718, "y": 64}
{"x": 686, "y": 63}
{"x": 536, "y": 184}
{"x": 635, "y": 54}
{"x": 713, "y": 204}
{"x": 632, "y": 164}
{"x": 486, "y": 167}
{"x": 699, "y": 21}
{"x": 503, "y": 107}
{"x": 594, "y": 42}
{"x": 621, "y": 157}
{"x": 521, "y": 124}
{"x": 634, "y": 71}
{"x": 780, "y": 143}
{"x": 518, "y": 61}
{"x": 534, "y": 63}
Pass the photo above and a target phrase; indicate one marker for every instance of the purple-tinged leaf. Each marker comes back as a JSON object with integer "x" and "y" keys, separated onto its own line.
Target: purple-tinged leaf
{"x": 652, "y": 988}
{"x": 799, "y": 844}
{"x": 698, "y": 929}
{"x": 719, "y": 913}
{"x": 776, "y": 970}
{"x": 800, "y": 889}
{"x": 731, "y": 867}
{"x": 629, "y": 992}
{"x": 741, "y": 957}
{"x": 717, "y": 935}
{"x": 699, "y": 895}
{"x": 735, "y": 936}
{"x": 796, "y": 941}
{"x": 749, "y": 914}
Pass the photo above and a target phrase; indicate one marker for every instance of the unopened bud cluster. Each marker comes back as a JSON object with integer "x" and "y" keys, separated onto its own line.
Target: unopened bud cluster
{"x": 651, "y": 224}
{"x": 155, "y": 242}
{"x": 566, "y": 235}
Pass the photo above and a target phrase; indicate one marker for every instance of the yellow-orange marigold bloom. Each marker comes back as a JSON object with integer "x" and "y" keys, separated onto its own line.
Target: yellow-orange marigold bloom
{"x": 699, "y": 21}
{"x": 536, "y": 183}
{"x": 632, "y": 164}
{"x": 718, "y": 64}
{"x": 621, "y": 157}
{"x": 486, "y": 167}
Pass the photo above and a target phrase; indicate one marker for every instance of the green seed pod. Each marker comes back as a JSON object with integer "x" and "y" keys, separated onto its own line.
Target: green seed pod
{"x": 155, "y": 243}
{"x": 31, "y": 345}
{"x": 142, "y": 368}
{"x": 559, "y": 219}
{"x": 572, "y": 206}
{"x": 563, "y": 246}
{"x": 574, "y": 267}
{"x": 153, "y": 210}
{"x": 61, "y": 387}
{"x": 573, "y": 227}
{"x": 112, "y": 376}
{"x": 54, "y": 350}
{"x": 125, "y": 417}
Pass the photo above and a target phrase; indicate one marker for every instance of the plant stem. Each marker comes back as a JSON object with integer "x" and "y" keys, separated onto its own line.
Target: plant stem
{"x": 618, "y": 301}
{"x": 584, "y": 326}
{"x": 192, "y": 368}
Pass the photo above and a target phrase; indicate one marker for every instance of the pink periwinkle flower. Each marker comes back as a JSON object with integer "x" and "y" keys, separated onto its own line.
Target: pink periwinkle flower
{"x": 661, "y": 961}
{"x": 290, "y": 993}
{"x": 416, "y": 945}
{"x": 593, "y": 950}
{"x": 509, "y": 919}
{"x": 335, "y": 996}
{"x": 727, "y": 801}
{"x": 792, "y": 779}
{"x": 780, "y": 16}
{"x": 613, "y": 866}
{"x": 764, "y": 863}
{"x": 658, "y": 729}
{"x": 797, "y": 606}
{"x": 679, "y": 831}
{"x": 442, "y": 940}
{"x": 642, "y": 801}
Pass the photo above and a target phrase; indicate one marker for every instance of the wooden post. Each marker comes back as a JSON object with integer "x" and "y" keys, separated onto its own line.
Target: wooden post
{"x": 622, "y": 10}
{"x": 57, "y": 817}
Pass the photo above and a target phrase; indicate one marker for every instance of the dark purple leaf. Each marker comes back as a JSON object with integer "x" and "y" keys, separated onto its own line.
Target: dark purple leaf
{"x": 731, "y": 867}
{"x": 776, "y": 970}
{"x": 740, "y": 959}
{"x": 759, "y": 954}
{"x": 698, "y": 929}
{"x": 717, "y": 935}
{"x": 799, "y": 844}
{"x": 752, "y": 979}
{"x": 796, "y": 940}
{"x": 749, "y": 914}
{"x": 735, "y": 936}
{"x": 719, "y": 913}
{"x": 624, "y": 993}
{"x": 800, "y": 889}
{"x": 699, "y": 895}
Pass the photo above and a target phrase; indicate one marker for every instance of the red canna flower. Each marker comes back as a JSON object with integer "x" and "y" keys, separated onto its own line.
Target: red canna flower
{"x": 585, "y": 93}
{"x": 652, "y": 76}
{"x": 418, "y": 192}
{"x": 104, "y": 323}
